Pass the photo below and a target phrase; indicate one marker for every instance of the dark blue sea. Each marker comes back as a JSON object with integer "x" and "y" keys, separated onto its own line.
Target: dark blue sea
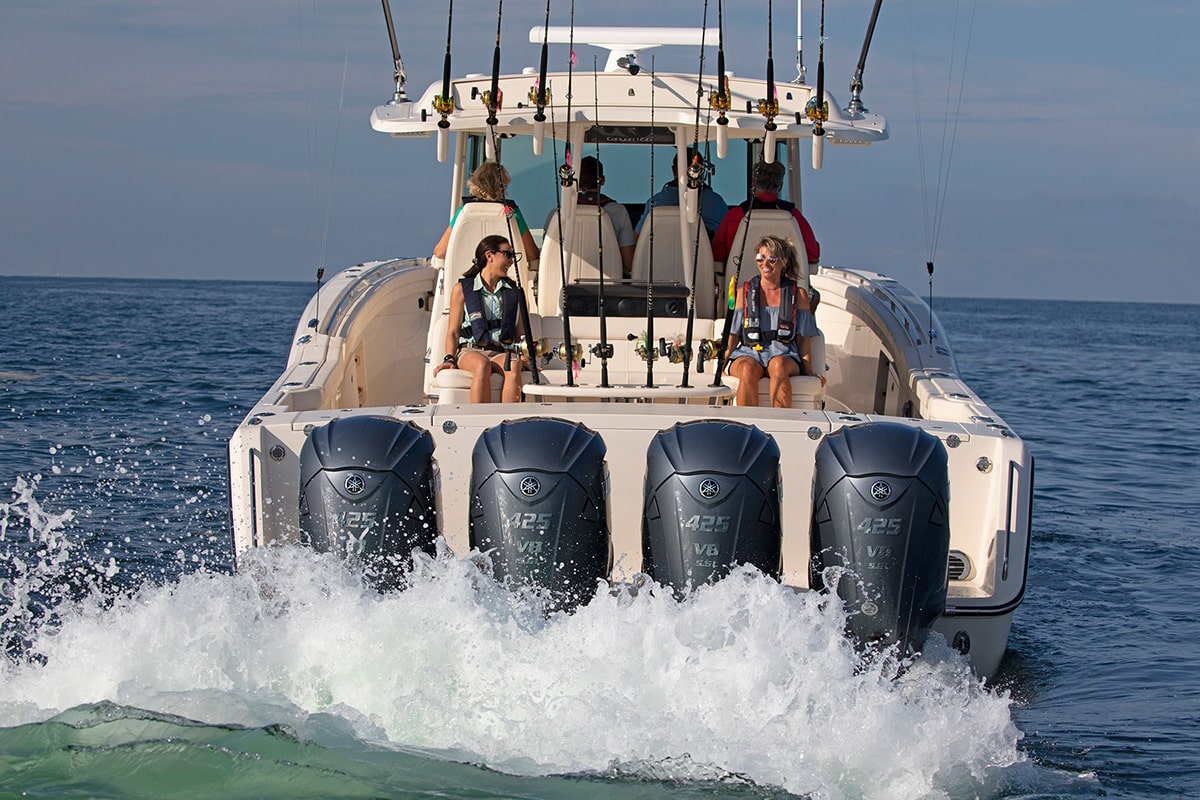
{"x": 136, "y": 664}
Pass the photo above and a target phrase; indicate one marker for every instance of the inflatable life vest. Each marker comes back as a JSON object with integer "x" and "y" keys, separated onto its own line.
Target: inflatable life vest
{"x": 791, "y": 299}
{"x": 477, "y": 327}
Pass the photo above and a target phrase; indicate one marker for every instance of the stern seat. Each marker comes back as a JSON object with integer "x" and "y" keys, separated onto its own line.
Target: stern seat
{"x": 807, "y": 391}
{"x": 475, "y": 221}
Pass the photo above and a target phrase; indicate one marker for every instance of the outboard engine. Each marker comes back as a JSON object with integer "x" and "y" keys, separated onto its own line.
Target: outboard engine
{"x": 367, "y": 494}
{"x": 711, "y": 503}
{"x": 881, "y": 495}
{"x": 539, "y": 503}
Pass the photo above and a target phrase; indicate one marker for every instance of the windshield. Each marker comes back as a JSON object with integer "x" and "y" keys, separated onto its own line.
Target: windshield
{"x": 630, "y": 176}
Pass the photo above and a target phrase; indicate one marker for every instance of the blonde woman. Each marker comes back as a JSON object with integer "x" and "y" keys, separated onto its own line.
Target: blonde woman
{"x": 488, "y": 184}
{"x": 772, "y": 327}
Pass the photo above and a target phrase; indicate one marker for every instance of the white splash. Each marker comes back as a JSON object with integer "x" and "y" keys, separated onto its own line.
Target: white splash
{"x": 743, "y": 678}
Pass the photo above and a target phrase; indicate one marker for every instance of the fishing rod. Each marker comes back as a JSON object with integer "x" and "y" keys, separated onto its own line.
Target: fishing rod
{"x": 650, "y": 353}
{"x": 566, "y": 350}
{"x": 696, "y": 173}
{"x": 539, "y": 95}
{"x": 444, "y": 102}
{"x": 603, "y": 350}
{"x": 400, "y": 77}
{"x": 493, "y": 146}
{"x": 769, "y": 106}
{"x": 734, "y": 285}
{"x": 769, "y": 158}
{"x": 817, "y": 108}
{"x": 492, "y": 98}
{"x": 565, "y": 186}
{"x": 720, "y": 100}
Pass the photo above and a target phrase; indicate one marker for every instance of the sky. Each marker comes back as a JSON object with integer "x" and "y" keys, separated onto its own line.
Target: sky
{"x": 230, "y": 140}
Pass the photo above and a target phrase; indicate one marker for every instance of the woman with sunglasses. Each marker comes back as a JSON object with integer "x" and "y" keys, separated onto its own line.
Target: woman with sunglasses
{"x": 485, "y": 324}
{"x": 772, "y": 327}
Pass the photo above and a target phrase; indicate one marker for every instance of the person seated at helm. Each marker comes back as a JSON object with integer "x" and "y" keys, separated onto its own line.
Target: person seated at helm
{"x": 712, "y": 206}
{"x": 591, "y": 178}
{"x": 768, "y": 181}
{"x": 772, "y": 327}
{"x": 484, "y": 323}
{"x": 488, "y": 184}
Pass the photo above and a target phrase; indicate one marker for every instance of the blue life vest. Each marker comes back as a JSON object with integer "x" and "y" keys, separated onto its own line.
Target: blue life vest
{"x": 476, "y": 326}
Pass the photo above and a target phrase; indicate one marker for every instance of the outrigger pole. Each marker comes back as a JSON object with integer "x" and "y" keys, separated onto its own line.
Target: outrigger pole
{"x": 400, "y": 77}
{"x": 801, "y": 71}
{"x": 856, "y": 84}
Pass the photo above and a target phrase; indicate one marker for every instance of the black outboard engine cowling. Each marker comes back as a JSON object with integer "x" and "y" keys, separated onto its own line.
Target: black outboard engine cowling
{"x": 367, "y": 494}
{"x": 881, "y": 499}
{"x": 539, "y": 503}
{"x": 711, "y": 503}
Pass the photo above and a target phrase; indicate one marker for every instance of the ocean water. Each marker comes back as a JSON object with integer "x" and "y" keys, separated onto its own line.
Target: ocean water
{"x": 135, "y": 664}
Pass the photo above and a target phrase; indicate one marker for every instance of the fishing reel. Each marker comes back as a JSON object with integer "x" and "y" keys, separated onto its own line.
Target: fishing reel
{"x": 645, "y": 351}
{"x": 538, "y": 96}
{"x": 698, "y": 172}
{"x": 708, "y": 350}
{"x": 520, "y": 349}
{"x": 574, "y": 354}
{"x": 444, "y": 106}
{"x": 817, "y": 111}
{"x": 487, "y": 97}
{"x": 769, "y": 108}
{"x": 601, "y": 351}
{"x": 719, "y": 100}
{"x": 675, "y": 352}
{"x": 566, "y": 176}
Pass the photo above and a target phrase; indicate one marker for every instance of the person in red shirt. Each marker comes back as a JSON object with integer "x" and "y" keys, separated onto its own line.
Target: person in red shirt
{"x": 768, "y": 180}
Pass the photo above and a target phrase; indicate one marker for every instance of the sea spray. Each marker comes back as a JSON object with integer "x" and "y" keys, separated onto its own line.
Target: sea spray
{"x": 41, "y": 568}
{"x": 744, "y": 680}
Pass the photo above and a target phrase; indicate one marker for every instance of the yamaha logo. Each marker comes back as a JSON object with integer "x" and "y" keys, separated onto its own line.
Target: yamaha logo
{"x": 709, "y": 488}
{"x": 355, "y": 484}
{"x": 530, "y": 486}
{"x": 881, "y": 490}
